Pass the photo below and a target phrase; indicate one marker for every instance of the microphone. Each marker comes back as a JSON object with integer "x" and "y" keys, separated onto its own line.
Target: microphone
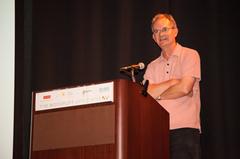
{"x": 139, "y": 66}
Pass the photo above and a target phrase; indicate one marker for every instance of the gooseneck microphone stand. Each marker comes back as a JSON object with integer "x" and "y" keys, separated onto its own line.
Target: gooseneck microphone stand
{"x": 132, "y": 75}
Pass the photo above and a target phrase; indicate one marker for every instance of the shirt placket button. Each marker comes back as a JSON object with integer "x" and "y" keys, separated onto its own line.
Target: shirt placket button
{"x": 167, "y": 70}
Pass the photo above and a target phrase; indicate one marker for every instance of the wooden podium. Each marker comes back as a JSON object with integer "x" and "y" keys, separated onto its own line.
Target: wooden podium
{"x": 131, "y": 126}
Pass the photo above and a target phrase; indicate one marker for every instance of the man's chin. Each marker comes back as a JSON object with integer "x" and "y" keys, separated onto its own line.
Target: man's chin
{"x": 163, "y": 42}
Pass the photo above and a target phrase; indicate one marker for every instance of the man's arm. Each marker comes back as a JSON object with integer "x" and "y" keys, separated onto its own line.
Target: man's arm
{"x": 172, "y": 89}
{"x": 157, "y": 89}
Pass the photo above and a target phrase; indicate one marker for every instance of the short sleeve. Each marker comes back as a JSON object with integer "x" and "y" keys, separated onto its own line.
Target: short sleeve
{"x": 148, "y": 74}
{"x": 191, "y": 65}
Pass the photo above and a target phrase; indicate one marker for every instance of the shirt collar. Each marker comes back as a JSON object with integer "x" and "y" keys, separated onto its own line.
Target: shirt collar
{"x": 176, "y": 52}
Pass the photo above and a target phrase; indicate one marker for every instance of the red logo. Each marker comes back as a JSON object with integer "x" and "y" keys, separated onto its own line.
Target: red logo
{"x": 47, "y": 97}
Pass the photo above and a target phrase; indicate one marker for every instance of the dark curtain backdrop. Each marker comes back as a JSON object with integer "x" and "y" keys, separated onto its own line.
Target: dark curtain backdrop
{"x": 74, "y": 42}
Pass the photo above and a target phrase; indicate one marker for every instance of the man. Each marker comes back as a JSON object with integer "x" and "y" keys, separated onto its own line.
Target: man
{"x": 174, "y": 82}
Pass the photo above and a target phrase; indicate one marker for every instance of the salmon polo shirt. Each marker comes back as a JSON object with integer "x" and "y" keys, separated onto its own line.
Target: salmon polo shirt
{"x": 183, "y": 111}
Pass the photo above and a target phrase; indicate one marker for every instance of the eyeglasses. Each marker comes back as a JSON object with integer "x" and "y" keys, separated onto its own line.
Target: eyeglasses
{"x": 163, "y": 30}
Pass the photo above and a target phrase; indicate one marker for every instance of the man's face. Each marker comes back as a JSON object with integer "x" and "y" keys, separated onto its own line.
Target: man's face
{"x": 164, "y": 34}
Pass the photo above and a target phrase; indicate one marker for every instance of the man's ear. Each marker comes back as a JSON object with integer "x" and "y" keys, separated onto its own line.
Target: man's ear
{"x": 154, "y": 38}
{"x": 176, "y": 32}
